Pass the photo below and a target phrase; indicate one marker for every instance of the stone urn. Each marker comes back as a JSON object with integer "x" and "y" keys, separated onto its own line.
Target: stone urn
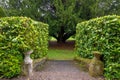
{"x": 28, "y": 63}
{"x": 96, "y": 66}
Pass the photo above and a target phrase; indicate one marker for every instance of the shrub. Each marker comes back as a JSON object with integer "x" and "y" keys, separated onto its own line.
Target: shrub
{"x": 18, "y": 35}
{"x": 101, "y": 34}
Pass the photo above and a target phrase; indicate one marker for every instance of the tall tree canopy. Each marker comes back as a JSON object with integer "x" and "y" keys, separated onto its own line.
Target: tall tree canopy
{"x": 61, "y": 15}
{"x": 62, "y": 19}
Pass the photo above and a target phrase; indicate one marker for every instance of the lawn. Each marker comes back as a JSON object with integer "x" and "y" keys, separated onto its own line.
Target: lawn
{"x": 57, "y": 54}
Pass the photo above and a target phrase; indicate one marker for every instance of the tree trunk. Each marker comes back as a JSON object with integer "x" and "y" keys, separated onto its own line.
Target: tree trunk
{"x": 61, "y": 40}
{"x": 61, "y": 35}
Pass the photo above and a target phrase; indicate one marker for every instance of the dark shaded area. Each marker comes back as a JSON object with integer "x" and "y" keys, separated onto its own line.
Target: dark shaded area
{"x": 69, "y": 45}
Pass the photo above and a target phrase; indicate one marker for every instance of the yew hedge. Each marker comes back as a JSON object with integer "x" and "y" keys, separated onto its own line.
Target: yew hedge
{"x": 101, "y": 34}
{"x": 18, "y": 35}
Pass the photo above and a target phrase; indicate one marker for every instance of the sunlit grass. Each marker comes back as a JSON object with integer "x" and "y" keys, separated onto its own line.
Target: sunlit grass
{"x": 53, "y": 39}
{"x": 56, "y": 54}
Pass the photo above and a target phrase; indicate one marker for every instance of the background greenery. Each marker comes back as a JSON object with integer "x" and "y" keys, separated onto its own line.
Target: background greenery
{"x": 2, "y": 12}
{"x": 61, "y": 15}
{"x": 19, "y": 35}
{"x": 101, "y": 34}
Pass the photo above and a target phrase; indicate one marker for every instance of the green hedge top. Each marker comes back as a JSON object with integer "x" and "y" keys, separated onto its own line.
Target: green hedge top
{"x": 98, "y": 34}
{"x": 23, "y": 33}
{"x": 18, "y": 35}
{"x": 101, "y": 34}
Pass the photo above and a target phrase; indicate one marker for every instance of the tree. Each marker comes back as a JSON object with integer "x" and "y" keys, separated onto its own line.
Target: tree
{"x": 61, "y": 15}
{"x": 62, "y": 19}
{"x": 88, "y": 9}
{"x": 2, "y": 12}
{"x": 114, "y": 7}
{"x": 29, "y": 8}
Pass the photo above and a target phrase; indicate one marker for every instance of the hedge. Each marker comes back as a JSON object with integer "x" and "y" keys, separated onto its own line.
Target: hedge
{"x": 18, "y": 35}
{"x": 101, "y": 34}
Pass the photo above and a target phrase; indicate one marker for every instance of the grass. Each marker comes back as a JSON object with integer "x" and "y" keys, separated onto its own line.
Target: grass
{"x": 56, "y": 54}
{"x": 53, "y": 39}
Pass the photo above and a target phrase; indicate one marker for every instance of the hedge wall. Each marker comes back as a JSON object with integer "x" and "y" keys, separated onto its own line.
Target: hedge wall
{"x": 18, "y": 35}
{"x": 101, "y": 34}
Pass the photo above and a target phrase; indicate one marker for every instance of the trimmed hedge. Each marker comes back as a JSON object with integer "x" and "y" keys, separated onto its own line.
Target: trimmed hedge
{"x": 101, "y": 34}
{"x": 18, "y": 35}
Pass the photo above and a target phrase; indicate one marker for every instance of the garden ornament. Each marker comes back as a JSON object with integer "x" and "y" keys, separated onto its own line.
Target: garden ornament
{"x": 28, "y": 64}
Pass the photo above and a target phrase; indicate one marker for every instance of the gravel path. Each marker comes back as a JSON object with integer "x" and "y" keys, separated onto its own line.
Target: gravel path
{"x": 60, "y": 70}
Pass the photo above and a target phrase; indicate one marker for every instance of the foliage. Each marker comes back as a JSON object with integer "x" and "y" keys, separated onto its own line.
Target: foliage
{"x": 41, "y": 44}
{"x": 101, "y": 34}
{"x": 88, "y": 9}
{"x": 2, "y": 12}
{"x": 61, "y": 15}
{"x": 18, "y": 35}
{"x": 95, "y": 8}
{"x": 28, "y": 8}
{"x": 62, "y": 19}
{"x": 10, "y": 64}
{"x": 114, "y": 7}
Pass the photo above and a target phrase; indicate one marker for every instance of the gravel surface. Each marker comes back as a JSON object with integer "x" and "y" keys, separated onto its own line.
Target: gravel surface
{"x": 59, "y": 70}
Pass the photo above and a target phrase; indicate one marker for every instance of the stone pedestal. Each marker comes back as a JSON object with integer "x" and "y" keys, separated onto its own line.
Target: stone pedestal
{"x": 28, "y": 63}
{"x": 96, "y": 67}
